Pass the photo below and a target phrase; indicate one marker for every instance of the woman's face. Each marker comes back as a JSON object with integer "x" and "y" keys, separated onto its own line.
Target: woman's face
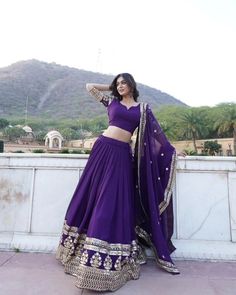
{"x": 122, "y": 86}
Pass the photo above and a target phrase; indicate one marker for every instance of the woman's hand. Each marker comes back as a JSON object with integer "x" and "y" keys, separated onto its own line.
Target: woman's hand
{"x": 181, "y": 154}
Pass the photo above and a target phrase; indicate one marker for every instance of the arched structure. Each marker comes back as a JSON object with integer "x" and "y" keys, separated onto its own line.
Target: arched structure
{"x": 53, "y": 140}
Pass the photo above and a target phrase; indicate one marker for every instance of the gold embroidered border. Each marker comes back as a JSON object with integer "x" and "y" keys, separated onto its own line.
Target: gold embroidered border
{"x": 107, "y": 246}
{"x": 70, "y": 230}
{"x": 90, "y": 277}
{"x": 63, "y": 254}
{"x": 142, "y": 125}
{"x": 75, "y": 242}
{"x": 97, "y": 244}
{"x": 103, "y": 280}
{"x": 168, "y": 191}
{"x": 105, "y": 251}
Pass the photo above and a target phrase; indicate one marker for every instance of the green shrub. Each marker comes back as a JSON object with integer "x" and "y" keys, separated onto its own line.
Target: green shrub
{"x": 190, "y": 152}
{"x": 77, "y": 152}
{"x": 211, "y": 147}
{"x": 65, "y": 151}
{"x": 87, "y": 151}
{"x": 19, "y": 151}
{"x": 38, "y": 151}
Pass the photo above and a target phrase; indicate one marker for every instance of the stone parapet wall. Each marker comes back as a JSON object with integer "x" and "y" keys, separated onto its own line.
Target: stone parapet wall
{"x": 36, "y": 190}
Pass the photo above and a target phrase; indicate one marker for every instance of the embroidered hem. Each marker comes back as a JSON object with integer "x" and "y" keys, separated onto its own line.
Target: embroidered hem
{"x": 98, "y": 264}
{"x": 103, "y": 280}
{"x": 166, "y": 265}
{"x": 88, "y": 277}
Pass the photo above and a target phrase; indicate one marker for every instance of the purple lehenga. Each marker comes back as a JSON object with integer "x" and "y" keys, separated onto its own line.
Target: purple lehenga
{"x": 98, "y": 242}
{"x": 121, "y": 201}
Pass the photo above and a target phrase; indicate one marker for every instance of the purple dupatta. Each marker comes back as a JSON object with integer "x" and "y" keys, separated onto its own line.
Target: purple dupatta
{"x": 155, "y": 163}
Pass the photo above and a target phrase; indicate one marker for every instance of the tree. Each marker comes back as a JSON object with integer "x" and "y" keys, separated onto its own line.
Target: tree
{"x": 193, "y": 125}
{"x": 3, "y": 123}
{"x": 68, "y": 133}
{"x": 82, "y": 134}
{"x": 211, "y": 147}
{"x": 13, "y": 133}
{"x": 169, "y": 119}
{"x": 40, "y": 135}
{"x": 227, "y": 121}
{"x": 167, "y": 129}
{"x": 97, "y": 125}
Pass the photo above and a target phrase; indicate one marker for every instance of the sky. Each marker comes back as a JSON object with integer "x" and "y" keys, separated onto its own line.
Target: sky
{"x": 186, "y": 48}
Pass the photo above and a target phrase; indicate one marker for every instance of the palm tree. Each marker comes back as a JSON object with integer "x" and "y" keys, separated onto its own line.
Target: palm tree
{"x": 168, "y": 130}
{"x": 227, "y": 121}
{"x": 193, "y": 123}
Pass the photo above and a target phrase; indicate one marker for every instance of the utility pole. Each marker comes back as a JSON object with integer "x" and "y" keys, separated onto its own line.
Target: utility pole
{"x": 99, "y": 64}
{"x": 26, "y": 110}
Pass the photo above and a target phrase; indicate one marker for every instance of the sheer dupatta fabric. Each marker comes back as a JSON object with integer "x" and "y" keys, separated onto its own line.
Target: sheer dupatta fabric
{"x": 155, "y": 165}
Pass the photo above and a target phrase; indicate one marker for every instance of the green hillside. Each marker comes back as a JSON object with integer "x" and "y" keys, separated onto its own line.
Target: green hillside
{"x": 56, "y": 91}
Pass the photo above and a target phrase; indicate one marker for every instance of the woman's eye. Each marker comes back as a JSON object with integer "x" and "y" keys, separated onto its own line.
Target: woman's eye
{"x": 121, "y": 83}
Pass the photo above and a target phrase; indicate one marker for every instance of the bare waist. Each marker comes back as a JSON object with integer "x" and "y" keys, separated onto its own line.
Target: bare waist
{"x": 117, "y": 133}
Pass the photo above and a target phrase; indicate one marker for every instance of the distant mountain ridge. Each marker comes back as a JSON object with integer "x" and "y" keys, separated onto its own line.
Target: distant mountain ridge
{"x": 59, "y": 91}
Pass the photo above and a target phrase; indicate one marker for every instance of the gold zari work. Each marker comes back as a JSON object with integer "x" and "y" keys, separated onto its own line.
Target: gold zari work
{"x": 97, "y": 264}
{"x": 96, "y": 260}
{"x": 118, "y": 263}
{"x": 103, "y": 280}
{"x": 84, "y": 257}
{"x": 107, "y": 263}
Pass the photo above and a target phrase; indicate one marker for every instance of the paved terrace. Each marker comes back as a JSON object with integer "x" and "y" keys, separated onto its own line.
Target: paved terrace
{"x": 37, "y": 273}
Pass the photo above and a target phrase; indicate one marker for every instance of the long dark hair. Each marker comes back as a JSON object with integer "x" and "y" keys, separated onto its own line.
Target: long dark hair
{"x": 129, "y": 80}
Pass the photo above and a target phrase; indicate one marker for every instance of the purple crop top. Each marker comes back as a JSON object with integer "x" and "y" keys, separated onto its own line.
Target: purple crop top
{"x": 119, "y": 115}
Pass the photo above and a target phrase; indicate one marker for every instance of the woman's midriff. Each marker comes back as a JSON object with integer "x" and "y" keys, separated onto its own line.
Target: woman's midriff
{"x": 117, "y": 133}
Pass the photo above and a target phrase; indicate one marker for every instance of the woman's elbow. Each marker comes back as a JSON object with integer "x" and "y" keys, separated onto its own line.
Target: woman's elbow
{"x": 89, "y": 86}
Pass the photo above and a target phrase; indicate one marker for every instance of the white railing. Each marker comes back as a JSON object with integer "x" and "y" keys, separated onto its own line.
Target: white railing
{"x": 35, "y": 190}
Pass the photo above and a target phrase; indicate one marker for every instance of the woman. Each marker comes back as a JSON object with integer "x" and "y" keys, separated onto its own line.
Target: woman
{"x": 122, "y": 201}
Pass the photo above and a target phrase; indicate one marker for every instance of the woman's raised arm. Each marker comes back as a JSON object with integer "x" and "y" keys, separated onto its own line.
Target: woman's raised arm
{"x": 96, "y": 90}
{"x": 100, "y": 87}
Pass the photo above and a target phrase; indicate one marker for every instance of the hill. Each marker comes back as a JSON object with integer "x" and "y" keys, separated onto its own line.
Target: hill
{"x": 59, "y": 91}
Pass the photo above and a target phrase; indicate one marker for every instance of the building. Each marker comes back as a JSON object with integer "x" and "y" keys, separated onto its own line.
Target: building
{"x": 53, "y": 140}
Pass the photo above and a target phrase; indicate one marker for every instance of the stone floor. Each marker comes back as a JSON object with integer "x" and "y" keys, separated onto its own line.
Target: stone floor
{"x": 37, "y": 273}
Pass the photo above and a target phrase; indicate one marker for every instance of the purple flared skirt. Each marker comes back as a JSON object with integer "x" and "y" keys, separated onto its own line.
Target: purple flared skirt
{"x": 98, "y": 243}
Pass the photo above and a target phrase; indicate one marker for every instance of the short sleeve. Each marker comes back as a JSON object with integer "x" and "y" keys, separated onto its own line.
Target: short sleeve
{"x": 100, "y": 96}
